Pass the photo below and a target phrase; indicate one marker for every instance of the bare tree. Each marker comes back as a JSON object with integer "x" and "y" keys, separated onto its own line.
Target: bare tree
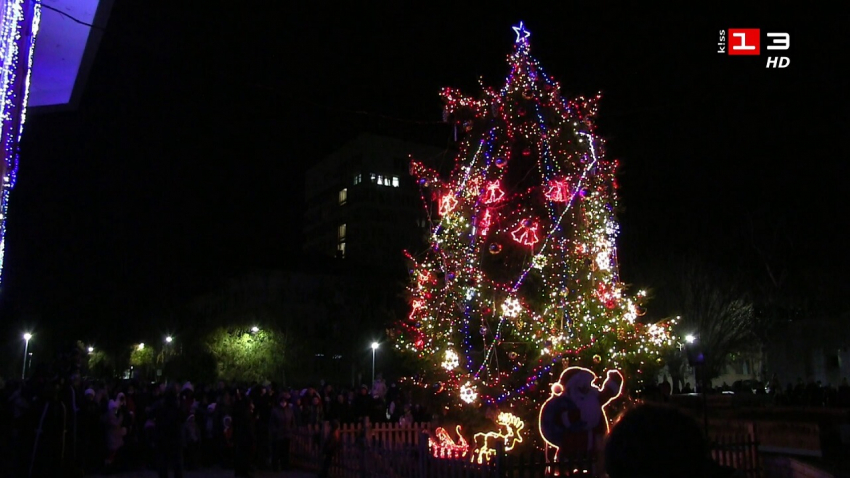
{"x": 710, "y": 306}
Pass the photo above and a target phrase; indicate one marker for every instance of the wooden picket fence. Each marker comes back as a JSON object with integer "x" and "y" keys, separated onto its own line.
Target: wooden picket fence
{"x": 740, "y": 452}
{"x": 395, "y": 451}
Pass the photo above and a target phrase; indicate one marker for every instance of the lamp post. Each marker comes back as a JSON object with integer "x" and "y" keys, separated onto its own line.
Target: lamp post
{"x": 166, "y": 348}
{"x": 374, "y": 348}
{"x": 696, "y": 359}
{"x": 27, "y": 337}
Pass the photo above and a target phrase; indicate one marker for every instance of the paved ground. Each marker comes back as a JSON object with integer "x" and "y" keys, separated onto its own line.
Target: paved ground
{"x": 215, "y": 473}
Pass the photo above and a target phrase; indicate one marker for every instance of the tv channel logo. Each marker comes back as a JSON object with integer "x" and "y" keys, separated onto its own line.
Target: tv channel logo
{"x": 748, "y": 41}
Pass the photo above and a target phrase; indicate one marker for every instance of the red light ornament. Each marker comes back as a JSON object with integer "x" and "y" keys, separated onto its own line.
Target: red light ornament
{"x": 526, "y": 232}
{"x": 447, "y": 204}
{"x": 484, "y": 225}
{"x": 558, "y": 191}
{"x": 494, "y": 193}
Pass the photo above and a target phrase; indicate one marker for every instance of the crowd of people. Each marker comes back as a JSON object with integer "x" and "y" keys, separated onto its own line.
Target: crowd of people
{"x": 801, "y": 394}
{"x": 62, "y": 425}
{"x": 56, "y": 423}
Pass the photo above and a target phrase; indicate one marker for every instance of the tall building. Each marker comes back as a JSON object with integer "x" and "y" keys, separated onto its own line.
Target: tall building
{"x": 363, "y": 206}
{"x": 48, "y": 74}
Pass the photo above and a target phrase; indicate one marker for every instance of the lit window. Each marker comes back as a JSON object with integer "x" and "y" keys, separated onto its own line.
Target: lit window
{"x": 395, "y": 181}
{"x": 357, "y": 178}
{"x": 343, "y": 196}
{"x": 380, "y": 180}
{"x": 340, "y": 249}
{"x": 373, "y": 177}
{"x": 341, "y": 232}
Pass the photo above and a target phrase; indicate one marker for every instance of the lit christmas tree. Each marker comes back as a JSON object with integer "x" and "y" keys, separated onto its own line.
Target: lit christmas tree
{"x": 521, "y": 277}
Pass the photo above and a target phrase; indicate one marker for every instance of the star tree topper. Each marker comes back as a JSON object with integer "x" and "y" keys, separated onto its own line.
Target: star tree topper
{"x": 521, "y": 33}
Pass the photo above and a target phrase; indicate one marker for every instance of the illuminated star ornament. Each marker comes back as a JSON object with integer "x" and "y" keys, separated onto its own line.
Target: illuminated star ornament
{"x": 521, "y": 33}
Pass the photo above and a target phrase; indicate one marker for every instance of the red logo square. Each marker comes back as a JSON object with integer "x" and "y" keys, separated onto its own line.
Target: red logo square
{"x": 744, "y": 41}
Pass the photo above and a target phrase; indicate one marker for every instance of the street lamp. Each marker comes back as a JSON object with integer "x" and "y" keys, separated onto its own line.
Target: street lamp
{"x": 27, "y": 337}
{"x": 142, "y": 346}
{"x": 374, "y": 348}
{"x": 690, "y": 338}
{"x": 91, "y": 349}
{"x": 169, "y": 339}
{"x": 255, "y": 329}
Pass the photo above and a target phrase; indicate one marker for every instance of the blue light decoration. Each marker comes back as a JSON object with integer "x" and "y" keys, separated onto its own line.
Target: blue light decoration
{"x": 18, "y": 28}
{"x": 521, "y": 33}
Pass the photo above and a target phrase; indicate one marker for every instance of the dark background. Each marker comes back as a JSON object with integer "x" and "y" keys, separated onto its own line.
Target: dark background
{"x": 184, "y": 163}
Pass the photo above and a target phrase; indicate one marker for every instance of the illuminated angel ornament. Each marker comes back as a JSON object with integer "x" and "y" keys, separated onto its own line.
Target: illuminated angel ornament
{"x": 510, "y": 434}
{"x": 526, "y": 232}
{"x": 494, "y": 193}
{"x": 468, "y": 393}
{"x": 485, "y": 223}
{"x": 450, "y": 360}
{"x": 557, "y": 191}
{"x": 447, "y": 204}
{"x": 511, "y": 307}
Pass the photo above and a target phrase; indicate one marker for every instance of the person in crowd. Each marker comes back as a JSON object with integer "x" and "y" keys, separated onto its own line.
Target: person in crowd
{"x": 281, "y": 427}
{"x": 113, "y": 425}
{"x": 659, "y": 441}
{"x": 168, "y": 442}
{"x": 244, "y": 436}
{"x": 362, "y": 406}
{"x": 330, "y": 449}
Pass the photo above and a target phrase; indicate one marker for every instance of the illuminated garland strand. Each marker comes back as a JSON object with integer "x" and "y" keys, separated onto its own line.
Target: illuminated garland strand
{"x": 522, "y": 277}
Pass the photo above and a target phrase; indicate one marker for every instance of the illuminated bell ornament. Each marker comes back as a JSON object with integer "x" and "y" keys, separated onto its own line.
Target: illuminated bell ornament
{"x": 528, "y": 94}
{"x": 597, "y": 359}
{"x": 501, "y": 162}
{"x": 640, "y": 311}
{"x": 495, "y": 248}
{"x": 483, "y": 330}
{"x": 512, "y": 355}
{"x": 521, "y": 111}
{"x": 611, "y": 303}
{"x": 467, "y": 125}
{"x": 526, "y": 152}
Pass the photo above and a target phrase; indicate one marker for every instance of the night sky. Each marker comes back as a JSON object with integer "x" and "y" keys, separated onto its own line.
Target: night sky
{"x": 184, "y": 163}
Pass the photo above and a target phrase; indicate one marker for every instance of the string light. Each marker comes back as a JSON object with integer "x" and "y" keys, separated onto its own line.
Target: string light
{"x": 16, "y": 55}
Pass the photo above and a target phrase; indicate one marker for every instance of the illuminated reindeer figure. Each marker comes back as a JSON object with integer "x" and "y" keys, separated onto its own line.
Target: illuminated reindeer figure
{"x": 513, "y": 426}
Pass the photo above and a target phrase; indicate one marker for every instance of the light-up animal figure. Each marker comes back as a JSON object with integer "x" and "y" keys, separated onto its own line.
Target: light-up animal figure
{"x": 485, "y": 442}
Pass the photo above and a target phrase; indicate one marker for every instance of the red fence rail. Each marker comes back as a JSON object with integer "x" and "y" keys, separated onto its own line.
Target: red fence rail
{"x": 397, "y": 451}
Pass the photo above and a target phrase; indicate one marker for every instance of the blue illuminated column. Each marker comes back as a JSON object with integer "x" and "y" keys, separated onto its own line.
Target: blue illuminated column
{"x": 19, "y": 21}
